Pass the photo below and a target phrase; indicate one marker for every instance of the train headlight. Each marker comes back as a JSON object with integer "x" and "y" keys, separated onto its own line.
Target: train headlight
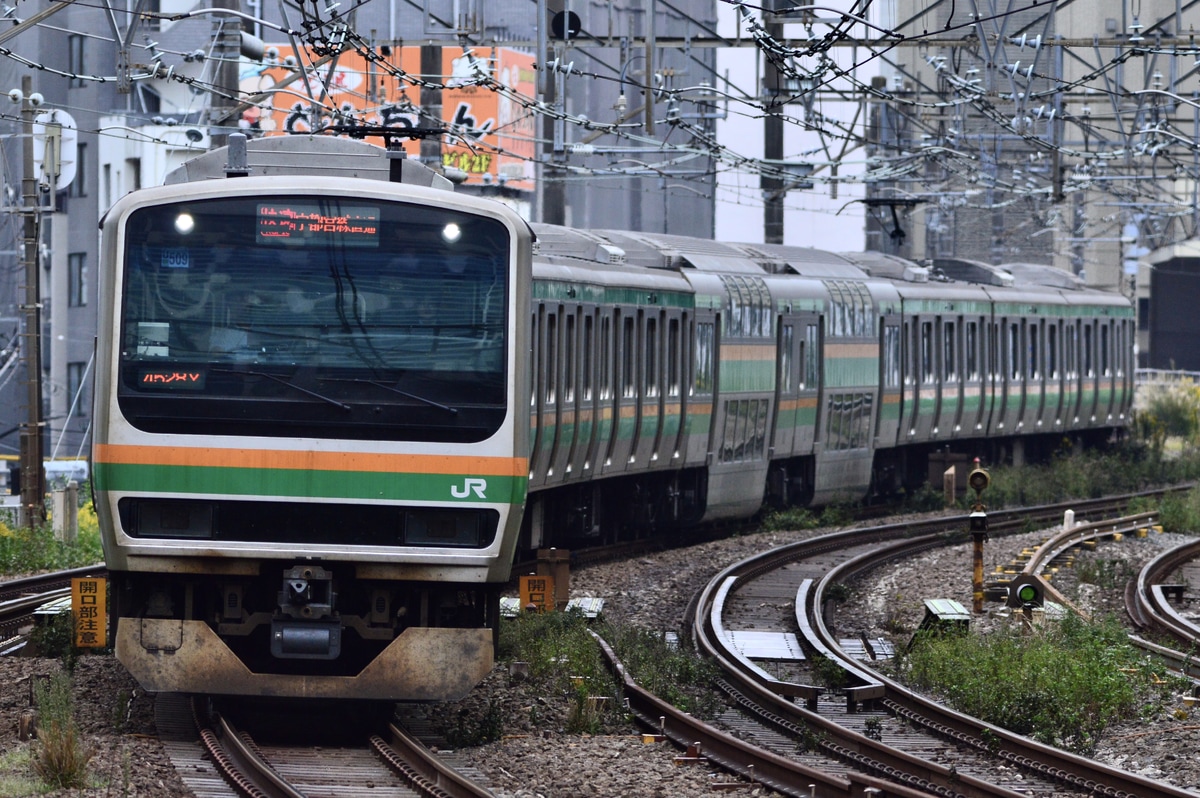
{"x": 184, "y": 223}
{"x": 451, "y": 232}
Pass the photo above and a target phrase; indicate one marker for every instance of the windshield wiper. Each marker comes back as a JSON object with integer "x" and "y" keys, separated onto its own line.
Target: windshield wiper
{"x": 447, "y": 408}
{"x": 288, "y": 383}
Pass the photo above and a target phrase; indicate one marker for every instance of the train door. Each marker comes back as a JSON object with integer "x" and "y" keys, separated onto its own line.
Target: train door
{"x": 891, "y": 370}
{"x": 993, "y": 376}
{"x": 698, "y": 423}
{"x": 1107, "y": 371}
{"x": 1070, "y": 365}
{"x": 949, "y": 419}
{"x": 810, "y": 387}
{"x": 625, "y": 390}
{"x": 669, "y": 444}
{"x": 603, "y": 403}
{"x": 1053, "y": 411}
{"x": 974, "y": 358}
{"x": 648, "y": 427}
{"x": 1088, "y": 383}
{"x": 577, "y": 389}
{"x": 1014, "y": 370}
{"x": 909, "y": 391}
{"x": 552, "y": 397}
{"x": 927, "y": 397}
{"x": 783, "y": 426}
{"x": 1035, "y": 374}
{"x": 1123, "y": 353}
{"x": 537, "y": 455}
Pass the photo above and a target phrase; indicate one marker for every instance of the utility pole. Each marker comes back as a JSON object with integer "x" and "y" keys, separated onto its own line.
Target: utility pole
{"x": 431, "y": 104}
{"x": 773, "y": 187}
{"x": 552, "y": 195}
{"x": 228, "y": 51}
{"x": 33, "y": 510}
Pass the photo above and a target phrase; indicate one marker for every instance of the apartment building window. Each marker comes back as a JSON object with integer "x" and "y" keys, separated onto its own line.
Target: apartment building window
{"x": 133, "y": 173}
{"x": 75, "y": 60}
{"x": 76, "y": 389}
{"x": 79, "y": 187}
{"x": 77, "y": 282}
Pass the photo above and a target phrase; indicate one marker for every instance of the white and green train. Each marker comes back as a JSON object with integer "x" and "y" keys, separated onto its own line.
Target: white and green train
{"x": 335, "y": 399}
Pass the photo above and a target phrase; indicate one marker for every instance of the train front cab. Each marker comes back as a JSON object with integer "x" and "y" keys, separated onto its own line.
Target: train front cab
{"x": 255, "y": 562}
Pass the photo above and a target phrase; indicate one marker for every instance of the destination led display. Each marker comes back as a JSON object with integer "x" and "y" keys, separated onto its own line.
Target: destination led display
{"x": 295, "y": 223}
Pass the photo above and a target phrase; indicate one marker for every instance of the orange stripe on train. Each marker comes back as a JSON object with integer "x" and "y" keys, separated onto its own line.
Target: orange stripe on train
{"x": 310, "y": 461}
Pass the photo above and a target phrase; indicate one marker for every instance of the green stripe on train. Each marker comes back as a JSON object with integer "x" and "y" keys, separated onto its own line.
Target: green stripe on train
{"x": 365, "y": 485}
{"x": 849, "y": 372}
{"x": 747, "y": 375}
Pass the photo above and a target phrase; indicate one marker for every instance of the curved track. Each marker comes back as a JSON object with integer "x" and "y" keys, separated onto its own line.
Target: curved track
{"x": 744, "y": 619}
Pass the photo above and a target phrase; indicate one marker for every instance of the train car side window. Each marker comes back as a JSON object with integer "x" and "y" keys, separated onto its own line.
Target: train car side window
{"x": 628, "y": 374}
{"x": 606, "y": 357}
{"x": 971, "y": 350}
{"x": 704, "y": 352}
{"x": 673, "y": 360}
{"x": 652, "y": 360}
{"x": 1035, "y": 349}
{"x": 891, "y": 356}
{"x": 1088, "y": 368}
{"x": 926, "y": 352}
{"x": 551, "y": 357}
{"x": 569, "y": 375}
{"x": 534, "y": 357}
{"x": 1014, "y": 351}
{"x": 906, "y": 353}
{"x": 1052, "y": 351}
{"x": 812, "y": 373}
{"x": 1121, "y": 351}
{"x": 1105, "y": 363}
{"x": 587, "y": 361}
{"x": 950, "y": 352}
{"x": 1070, "y": 350}
{"x": 785, "y": 358}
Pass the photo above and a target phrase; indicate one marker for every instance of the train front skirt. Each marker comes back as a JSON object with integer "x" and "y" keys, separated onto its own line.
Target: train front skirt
{"x": 422, "y": 664}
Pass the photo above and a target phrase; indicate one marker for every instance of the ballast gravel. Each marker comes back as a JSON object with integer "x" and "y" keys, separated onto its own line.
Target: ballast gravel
{"x": 536, "y": 758}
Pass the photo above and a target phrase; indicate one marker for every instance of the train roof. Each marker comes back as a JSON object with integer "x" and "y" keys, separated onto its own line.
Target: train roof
{"x": 888, "y": 267}
{"x": 325, "y": 156}
{"x": 662, "y": 251}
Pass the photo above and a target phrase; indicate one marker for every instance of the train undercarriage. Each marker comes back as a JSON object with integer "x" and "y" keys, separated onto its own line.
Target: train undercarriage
{"x": 276, "y": 627}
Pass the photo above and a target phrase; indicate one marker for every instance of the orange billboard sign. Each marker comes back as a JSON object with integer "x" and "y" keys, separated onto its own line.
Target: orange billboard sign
{"x": 491, "y": 134}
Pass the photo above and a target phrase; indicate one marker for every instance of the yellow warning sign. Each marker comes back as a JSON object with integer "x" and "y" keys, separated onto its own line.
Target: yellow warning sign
{"x": 538, "y": 591}
{"x": 89, "y": 602}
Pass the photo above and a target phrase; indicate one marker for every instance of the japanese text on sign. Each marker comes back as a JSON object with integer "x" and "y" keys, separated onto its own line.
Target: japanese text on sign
{"x": 538, "y": 591}
{"x": 89, "y": 602}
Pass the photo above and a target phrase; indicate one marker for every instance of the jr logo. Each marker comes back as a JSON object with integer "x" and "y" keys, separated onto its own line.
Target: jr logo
{"x": 472, "y": 484}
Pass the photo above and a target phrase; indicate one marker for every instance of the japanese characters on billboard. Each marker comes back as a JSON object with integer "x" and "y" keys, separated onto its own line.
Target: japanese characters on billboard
{"x": 497, "y": 133}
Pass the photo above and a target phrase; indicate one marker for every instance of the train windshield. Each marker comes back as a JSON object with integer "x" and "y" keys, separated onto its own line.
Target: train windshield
{"x": 314, "y": 316}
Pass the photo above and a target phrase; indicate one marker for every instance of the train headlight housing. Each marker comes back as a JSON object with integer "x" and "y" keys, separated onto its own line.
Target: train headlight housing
{"x": 172, "y": 518}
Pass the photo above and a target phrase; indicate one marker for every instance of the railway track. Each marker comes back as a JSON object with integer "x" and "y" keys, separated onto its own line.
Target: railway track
{"x": 842, "y": 768}
{"x": 747, "y": 620}
{"x": 1159, "y": 603}
{"x": 224, "y": 760}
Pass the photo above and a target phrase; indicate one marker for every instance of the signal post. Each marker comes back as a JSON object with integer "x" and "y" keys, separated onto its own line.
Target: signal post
{"x": 978, "y": 480}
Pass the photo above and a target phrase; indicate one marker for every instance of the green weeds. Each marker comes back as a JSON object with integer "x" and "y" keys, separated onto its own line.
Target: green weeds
{"x": 61, "y": 759}
{"x": 24, "y": 550}
{"x": 1062, "y": 685}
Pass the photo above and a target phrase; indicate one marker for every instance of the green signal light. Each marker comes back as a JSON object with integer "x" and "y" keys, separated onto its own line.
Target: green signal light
{"x": 1027, "y": 594}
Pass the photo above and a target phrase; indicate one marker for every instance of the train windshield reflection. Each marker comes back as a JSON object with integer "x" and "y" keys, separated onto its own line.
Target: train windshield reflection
{"x": 353, "y": 301}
